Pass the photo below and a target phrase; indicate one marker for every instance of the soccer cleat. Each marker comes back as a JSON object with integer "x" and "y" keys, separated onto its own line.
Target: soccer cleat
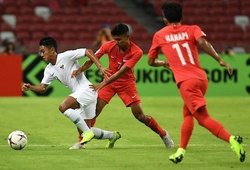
{"x": 235, "y": 142}
{"x": 178, "y": 156}
{"x": 77, "y": 146}
{"x": 112, "y": 141}
{"x": 87, "y": 136}
{"x": 169, "y": 143}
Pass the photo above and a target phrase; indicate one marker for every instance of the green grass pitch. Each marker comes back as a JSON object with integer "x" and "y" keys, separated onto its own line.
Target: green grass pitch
{"x": 50, "y": 134}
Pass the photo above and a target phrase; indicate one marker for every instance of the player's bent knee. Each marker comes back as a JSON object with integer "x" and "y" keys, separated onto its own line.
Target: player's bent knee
{"x": 140, "y": 117}
{"x": 62, "y": 108}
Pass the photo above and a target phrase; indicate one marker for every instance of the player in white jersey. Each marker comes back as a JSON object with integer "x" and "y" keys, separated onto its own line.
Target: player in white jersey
{"x": 79, "y": 106}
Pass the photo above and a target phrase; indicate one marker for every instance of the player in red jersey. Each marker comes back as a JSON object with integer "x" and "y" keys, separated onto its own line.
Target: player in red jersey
{"x": 123, "y": 56}
{"x": 179, "y": 43}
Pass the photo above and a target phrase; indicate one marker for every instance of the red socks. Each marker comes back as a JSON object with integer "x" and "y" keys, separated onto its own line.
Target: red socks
{"x": 153, "y": 125}
{"x": 186, "y": 130}
{"x": 204, "y": 120}
{"x": 93, "y": 122}
{"x": 212, "y": 125}
{"x": 79, "y": 138}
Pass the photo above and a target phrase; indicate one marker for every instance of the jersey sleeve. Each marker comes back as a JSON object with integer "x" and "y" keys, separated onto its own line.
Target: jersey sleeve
{"x": 101, "y": 51}
{"x": 134, "y": 59}
{"x": 155, "y": 47}
{"x": 75, "y": 54}
{"x": 47, "y": 78}
{"x": 197, "y": 32}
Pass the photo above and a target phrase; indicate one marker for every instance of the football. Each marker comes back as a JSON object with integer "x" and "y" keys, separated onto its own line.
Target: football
{"x": 17, "y": 140}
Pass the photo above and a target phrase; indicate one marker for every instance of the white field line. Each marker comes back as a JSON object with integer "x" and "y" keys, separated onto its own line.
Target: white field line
{"x": 130, "y": 146}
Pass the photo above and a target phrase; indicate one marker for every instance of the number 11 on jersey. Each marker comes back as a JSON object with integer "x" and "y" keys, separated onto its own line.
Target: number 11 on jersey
{"x": 180, "y": 55}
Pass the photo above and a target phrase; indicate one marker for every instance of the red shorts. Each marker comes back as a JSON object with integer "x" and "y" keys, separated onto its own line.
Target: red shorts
{"x": 192, "y": 92}
{"x": 125, "y": 90}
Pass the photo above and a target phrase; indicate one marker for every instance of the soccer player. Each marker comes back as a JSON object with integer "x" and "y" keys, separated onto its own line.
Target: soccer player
{"x": 123, "y": 56}
{"x": 80, "y": 105}
{"x": 179, "y": 43}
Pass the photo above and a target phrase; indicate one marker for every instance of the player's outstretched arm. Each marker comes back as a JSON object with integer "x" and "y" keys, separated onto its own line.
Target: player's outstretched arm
{"x": 208, "y": 48}
{"x": 81, "y": 69}
{"x": 104, "y": 71}
{"x": 158, "y": 63}
{"x": 38, "y": 88}
{"x": 111, "y": 79}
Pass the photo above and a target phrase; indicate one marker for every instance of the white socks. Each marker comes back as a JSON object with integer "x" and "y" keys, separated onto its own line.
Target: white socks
{"x": 102, "y": 134}
{"x": 75, "y": 117}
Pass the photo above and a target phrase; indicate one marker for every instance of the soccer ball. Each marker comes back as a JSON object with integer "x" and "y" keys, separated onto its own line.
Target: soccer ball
{"x": 17, "y": 140}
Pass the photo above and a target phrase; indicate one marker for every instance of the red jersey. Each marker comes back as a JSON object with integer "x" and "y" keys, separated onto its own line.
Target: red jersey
{"x": 117, "y": 59}
{"x": 179, "y": 44}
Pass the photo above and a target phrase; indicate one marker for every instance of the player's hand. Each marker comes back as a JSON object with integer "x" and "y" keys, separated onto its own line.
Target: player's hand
{"x": 97, "y": 87}
{"x": 166, "y": 64}
{"x": 224, "y": 64}
{"x": 106, "y": 73}
{"x": 76, "y": 72}
{"x": 26, "y": 87}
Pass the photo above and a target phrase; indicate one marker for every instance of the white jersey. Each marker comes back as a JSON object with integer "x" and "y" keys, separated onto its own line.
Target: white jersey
{"x": 66, "y": 63}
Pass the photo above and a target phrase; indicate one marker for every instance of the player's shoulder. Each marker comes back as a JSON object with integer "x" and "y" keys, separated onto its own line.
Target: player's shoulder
{"x": 48, "y": 67}
{"x": 192, "y": 27}
{"x": 71, "y": 52}
{"x": 135, "y": 47}
{"x": 163, "y": 31}
{"x": 108, "y": 44}
{"x": 65, "y": 53}
{"x": 62, "y": 55}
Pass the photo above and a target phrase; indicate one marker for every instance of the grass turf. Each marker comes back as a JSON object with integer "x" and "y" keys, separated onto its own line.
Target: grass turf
{"x": 50, "y": 134}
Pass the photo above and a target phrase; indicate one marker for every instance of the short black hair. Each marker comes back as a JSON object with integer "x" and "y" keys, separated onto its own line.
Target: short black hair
{"x": 172, "y": 12}
{"x": 120, "y": 29}
{"x": 48, "y": 42}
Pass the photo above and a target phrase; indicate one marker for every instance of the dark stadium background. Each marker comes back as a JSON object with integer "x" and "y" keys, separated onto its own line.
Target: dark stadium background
{"x": 74, "y": 23}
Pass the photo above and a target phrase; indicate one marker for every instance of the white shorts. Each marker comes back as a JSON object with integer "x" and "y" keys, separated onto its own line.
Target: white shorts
{"x": 87, "y": 100}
